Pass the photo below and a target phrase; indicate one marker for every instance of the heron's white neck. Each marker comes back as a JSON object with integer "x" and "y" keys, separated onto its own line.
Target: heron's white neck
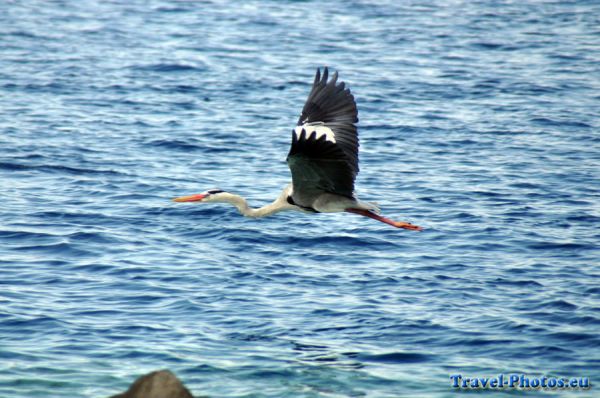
{"x": 280, "y": 204}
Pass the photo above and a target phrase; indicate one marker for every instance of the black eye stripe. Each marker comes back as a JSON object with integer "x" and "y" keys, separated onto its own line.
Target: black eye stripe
{"x": 214, "y": 191}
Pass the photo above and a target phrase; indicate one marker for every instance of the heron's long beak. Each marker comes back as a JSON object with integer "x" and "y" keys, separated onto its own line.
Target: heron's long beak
{"x": 190, "y": 198}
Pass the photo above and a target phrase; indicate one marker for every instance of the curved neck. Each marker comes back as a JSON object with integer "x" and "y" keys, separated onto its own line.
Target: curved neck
{"x": 280, "y": 204}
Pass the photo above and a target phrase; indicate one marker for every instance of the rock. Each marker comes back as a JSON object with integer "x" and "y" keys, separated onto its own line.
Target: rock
{"x": 159, "y": 384}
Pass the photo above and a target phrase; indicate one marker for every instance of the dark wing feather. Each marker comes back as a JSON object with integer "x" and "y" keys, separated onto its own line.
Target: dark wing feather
{"x": 319, "y": 164}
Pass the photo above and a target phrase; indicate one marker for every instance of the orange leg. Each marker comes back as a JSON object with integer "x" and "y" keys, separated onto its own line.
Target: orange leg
{"x": 397, "y": 224}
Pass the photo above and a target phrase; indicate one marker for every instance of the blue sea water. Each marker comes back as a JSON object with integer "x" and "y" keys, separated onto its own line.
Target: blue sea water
{"x": 478, "y": 121}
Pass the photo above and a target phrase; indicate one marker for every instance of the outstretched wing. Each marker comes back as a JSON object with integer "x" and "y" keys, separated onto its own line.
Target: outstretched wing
{"x": 324, "y": 153}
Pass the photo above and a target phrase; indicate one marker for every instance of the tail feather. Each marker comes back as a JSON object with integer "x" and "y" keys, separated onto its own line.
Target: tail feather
{"x": 371, "y": 206}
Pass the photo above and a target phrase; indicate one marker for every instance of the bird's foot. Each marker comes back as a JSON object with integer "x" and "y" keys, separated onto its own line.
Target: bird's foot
{"x": 407, "y": 225}
{"x": 397, "y": 224}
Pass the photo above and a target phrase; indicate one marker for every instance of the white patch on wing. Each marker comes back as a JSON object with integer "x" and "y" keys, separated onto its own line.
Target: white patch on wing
{"x": 320, "y": 130}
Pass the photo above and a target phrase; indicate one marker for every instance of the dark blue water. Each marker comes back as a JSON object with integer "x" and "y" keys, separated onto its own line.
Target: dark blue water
{"x": 479, "y": 121}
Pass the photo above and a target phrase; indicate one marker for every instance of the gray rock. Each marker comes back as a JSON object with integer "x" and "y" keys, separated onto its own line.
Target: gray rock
{"x": 159, "y": 384}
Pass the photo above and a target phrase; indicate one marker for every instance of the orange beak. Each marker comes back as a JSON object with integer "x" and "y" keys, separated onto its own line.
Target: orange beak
{"x": 190, "y": 198}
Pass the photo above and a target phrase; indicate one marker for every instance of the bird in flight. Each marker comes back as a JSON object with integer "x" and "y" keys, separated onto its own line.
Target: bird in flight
{"x": 323, "y": 160}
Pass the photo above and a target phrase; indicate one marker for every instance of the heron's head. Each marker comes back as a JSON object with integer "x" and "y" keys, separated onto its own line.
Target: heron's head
{"x": 212, "y": 195}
